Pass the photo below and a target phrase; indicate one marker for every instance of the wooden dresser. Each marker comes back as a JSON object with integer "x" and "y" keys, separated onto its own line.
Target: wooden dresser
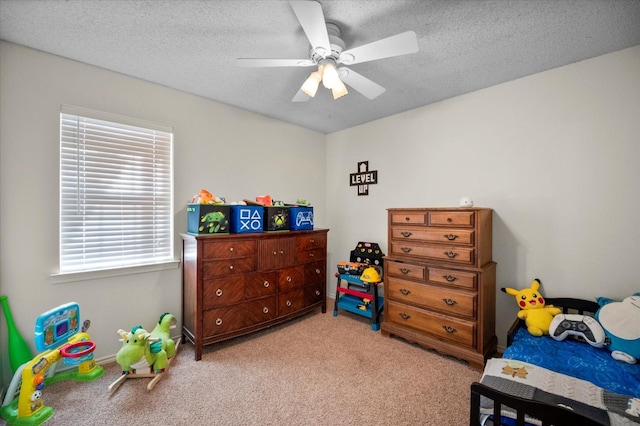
{"x": 439, "y": 281}
{"x": 239, "y": 283}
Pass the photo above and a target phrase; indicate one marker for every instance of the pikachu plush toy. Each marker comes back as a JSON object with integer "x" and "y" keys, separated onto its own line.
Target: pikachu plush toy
{"x": 533, "y": 311}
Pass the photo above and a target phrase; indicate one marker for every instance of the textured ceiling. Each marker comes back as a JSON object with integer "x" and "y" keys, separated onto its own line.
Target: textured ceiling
{"x": 192, "y": 46}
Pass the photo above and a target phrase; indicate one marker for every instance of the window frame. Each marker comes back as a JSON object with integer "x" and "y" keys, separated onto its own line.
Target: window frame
{"x": 166, "y": 261}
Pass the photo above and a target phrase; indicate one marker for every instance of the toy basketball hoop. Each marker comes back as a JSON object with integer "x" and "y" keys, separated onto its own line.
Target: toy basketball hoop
{"x": 77, "y": 353}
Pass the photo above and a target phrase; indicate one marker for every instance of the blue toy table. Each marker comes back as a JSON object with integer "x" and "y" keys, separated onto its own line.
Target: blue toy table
{"x": 350, "y": 298}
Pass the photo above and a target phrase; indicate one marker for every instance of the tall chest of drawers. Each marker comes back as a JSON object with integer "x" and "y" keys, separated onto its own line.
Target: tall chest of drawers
{"x": 239, "y": 283}
{"x": 439, "y": 283}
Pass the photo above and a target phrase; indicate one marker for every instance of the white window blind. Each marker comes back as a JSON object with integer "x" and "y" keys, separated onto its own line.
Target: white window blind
{"x": 116, "y": 192}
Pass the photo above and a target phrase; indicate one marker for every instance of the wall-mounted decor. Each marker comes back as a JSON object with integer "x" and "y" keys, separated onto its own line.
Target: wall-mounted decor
{"x": 363, "y": 178}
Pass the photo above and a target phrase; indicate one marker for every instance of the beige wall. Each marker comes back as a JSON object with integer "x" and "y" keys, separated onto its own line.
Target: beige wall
{"x": 555, "y": 154}
{"x": 231, "y": 152}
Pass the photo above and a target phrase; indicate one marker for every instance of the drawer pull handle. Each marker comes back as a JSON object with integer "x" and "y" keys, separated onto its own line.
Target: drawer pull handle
{"x": 405, "y": 270}
{"x": 230, "y": 248}
{"x": 451, "y": 237}
{"x": 275, "y": 253}
{"x": 288, "y": 303}
{"x": 449, "y": 220}
{"x": 407, "y": 218}
{"x": 404, "y": 316}
{"x": 266, "y": 284}
{"x": 450, "y": 302}
{"x": 265, "y": 310}
{"x": 231, "y": 267}
{"x": 406, "y": 249}
{"x": 318, "y": 271}
{"x": 450, "y": 254}
{"x": 219, "y": 321}
{"x": 289, "y": 279}
{"x": 311, "y": 254}
{"x": 449, "y": 329}
{"x": 406, "y": 234}
{"x": 449, "y": 278}
{"x": 317, "y": 292}
{"x": 312, "y": 241}
{"x": 219, "y": 292}
{"x": 405, "y": 291}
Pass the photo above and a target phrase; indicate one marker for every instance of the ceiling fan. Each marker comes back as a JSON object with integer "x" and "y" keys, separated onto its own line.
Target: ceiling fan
{"x": 328, "y": 50}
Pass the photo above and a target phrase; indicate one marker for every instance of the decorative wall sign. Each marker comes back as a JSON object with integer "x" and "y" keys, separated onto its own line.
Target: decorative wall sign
{"x": 363, "y": 178}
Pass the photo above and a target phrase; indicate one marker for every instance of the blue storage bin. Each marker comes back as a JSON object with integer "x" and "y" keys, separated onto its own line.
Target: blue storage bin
{"x": 246, "y": 219}
{"x": 300, "y": 218}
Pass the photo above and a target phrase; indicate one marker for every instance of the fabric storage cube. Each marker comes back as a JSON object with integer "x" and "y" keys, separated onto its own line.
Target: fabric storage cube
{"x": 276, "y": 218}
{"x": 300, "y": 218}
{"x": 246, "y": 219}
{"x": 206, "y": 219}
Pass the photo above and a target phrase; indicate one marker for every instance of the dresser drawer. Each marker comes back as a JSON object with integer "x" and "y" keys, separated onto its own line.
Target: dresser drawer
{"x": 452, "y": 236}
{"x": 292, "y": 301}
{"x": 222, "y": 267}
{"x": 222, "y": 292}
{"x": 451, "y": 277}
{"x": 406, "y": 270}
{"x": 409, "y": 218}
{"x": 314, "y": 292}
{"x": 310, "y": 255}
{"x": 228, "y": 249}
{"x": 441, "y": 326}
{"x": 291, "y": 278}
{"x": 223, "y": 320}
{"x": 258, "y": 285}
{"x": 315, "y": 272}
{"x": 451, "y": 218}
{"x": 306, "y": 242}
{"x": 442, "y": 253}
{"x": 445, "y": 300}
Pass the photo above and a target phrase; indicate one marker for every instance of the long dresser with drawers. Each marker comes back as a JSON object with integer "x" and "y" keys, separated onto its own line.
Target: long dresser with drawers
{"x": 440, "y": 281}
{"x": 236, "y": 284}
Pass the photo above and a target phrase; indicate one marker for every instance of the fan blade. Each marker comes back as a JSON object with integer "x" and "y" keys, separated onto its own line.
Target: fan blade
{"x": 257, "y": 62}
{"x": 311, "y": 18}
{"x": 300, "y": 97}
{"x": 360, "y": 83}
{"x": 399, "y": 44}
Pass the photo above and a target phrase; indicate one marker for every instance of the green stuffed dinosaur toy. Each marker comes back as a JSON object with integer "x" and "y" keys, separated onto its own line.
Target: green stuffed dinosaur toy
{"x": 143, "y": 349}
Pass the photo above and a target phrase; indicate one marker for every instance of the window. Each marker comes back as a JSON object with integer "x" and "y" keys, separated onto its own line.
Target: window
{"x": 116, "y": 192}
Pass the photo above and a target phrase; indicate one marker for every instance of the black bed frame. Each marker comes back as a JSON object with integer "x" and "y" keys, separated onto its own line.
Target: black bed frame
{"x": 548, "y": 414}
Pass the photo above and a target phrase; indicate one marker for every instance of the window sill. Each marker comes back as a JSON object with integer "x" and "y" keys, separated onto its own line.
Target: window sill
{"x": 70, "y": 277}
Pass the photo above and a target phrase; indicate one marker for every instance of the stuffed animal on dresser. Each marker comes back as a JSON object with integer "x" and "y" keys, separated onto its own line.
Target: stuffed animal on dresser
{"x": 533, "y": 311}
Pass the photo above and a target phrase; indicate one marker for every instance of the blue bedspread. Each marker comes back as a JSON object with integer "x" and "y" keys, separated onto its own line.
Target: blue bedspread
{"x": 576, "y": 359}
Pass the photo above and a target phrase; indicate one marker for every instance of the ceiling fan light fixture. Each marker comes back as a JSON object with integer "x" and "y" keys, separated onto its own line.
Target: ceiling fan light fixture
{"x": 339, "y": 90}
{"x": 330, "y": 77}
{"x": 310, "y": 86}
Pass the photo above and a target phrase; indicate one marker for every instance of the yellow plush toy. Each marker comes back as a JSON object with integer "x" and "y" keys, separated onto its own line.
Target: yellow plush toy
{"x": 533, "y": 311}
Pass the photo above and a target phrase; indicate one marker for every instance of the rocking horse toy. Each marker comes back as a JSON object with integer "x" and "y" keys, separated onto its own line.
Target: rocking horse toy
{"x": 141, "y": 349}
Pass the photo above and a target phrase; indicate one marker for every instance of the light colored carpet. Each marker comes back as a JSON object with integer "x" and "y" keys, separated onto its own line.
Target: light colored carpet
{"x": 316, "y": 370}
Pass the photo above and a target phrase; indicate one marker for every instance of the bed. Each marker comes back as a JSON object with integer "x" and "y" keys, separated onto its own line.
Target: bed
{"x": 542, "y": 381}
